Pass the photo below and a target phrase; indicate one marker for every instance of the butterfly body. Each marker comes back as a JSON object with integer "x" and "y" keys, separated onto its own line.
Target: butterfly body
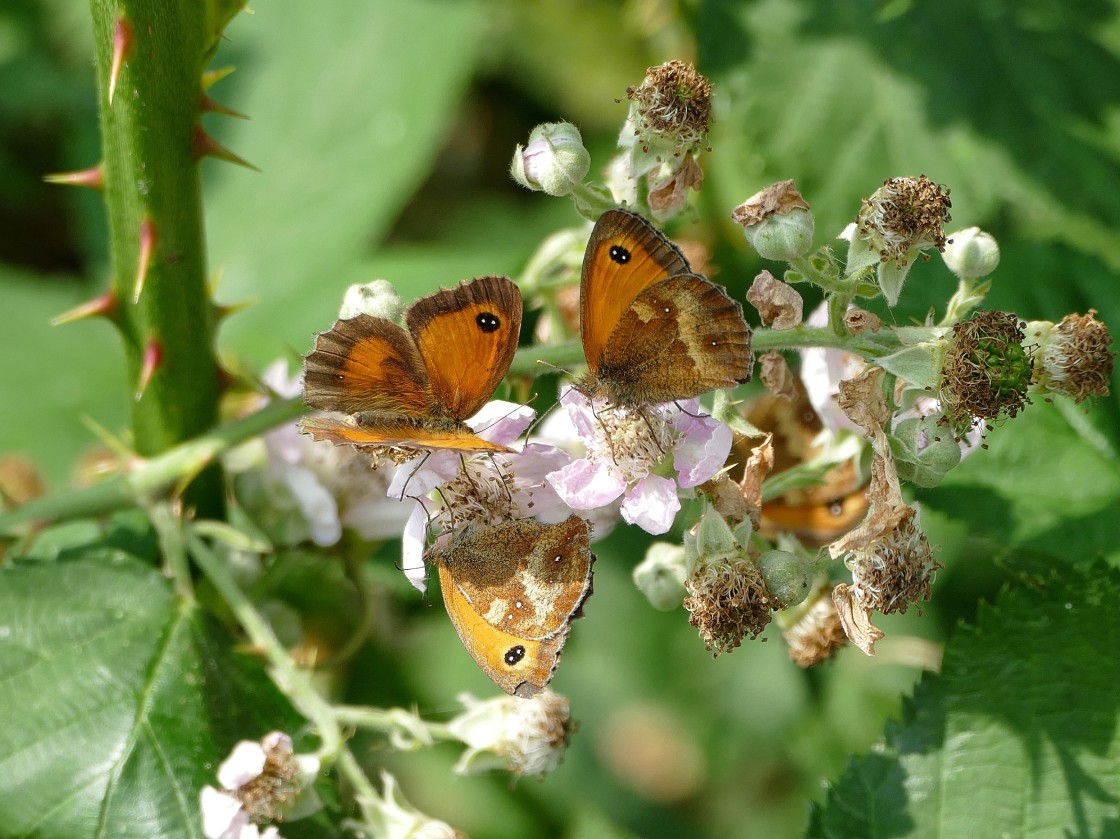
{"x": 414, "y": 388}
{"x": 652, "y": 330}
{"x": 512, "y": 591}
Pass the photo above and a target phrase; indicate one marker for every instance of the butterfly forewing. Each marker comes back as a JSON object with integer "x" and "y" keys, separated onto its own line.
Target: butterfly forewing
{"x": 467, "y": 336}
{"x": 625, "y": 255}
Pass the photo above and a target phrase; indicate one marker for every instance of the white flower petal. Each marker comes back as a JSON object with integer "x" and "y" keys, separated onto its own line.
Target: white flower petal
{"x": 702, "y": 449}
{"x": 244, "y": 763}
{"x": 652, "y": 504}
{"x": 584, "y": 485}
{"x": 413, "y": 541}
{"x": 222, "y": 816}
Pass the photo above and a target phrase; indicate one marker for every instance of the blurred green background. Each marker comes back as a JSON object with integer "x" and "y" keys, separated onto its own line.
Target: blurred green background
{"x": 383, "y": 133}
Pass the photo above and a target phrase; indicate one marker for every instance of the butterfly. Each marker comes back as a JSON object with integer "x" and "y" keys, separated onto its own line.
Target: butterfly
{"x": 512, "y": 591}
{"x": 414, "y": 389}
{"x": 817, "y": 514}
{"x": 652, "y": 330}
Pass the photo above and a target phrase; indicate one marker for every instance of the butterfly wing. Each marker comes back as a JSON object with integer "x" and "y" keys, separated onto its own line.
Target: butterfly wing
{"x": 625, "y": 255}
{"x": 387, "y": 430}
{"x": 467, "y": 336}
{"x": 367, "y": 364}
{"x": 680, "y": 337}
{"x": 512, "y": 591}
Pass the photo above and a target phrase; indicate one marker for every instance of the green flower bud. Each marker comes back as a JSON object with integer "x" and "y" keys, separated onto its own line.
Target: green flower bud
{"x": 971, "y": 253}
{"x": 786, "y": 575}
{"x": 924, "y": 451}
{"x": 777, "y": 222}
{"x": 553, "y": 161}
{"x": 661, "y": 575}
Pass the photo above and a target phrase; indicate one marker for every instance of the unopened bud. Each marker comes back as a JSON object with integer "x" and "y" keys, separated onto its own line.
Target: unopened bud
{"x": 554, "y": 160}
{"x": 971, "y": 253}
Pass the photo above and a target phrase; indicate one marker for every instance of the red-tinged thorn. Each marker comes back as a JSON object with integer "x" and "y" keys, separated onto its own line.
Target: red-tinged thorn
{"x": 224, "y": 310}
{"x": 211, "y": 77}
{"x": 153, "y": 357}
{"x": 148, "y": 239}
{"x": 122, "y": 44}
{"x": 203, "y": 145}
{"x": 104, "y": 305}
{"x": 92, "y": 178}
{"x": 210, "y": 106}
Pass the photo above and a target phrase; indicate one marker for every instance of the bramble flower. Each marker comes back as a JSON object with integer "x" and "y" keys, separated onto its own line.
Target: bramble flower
{"x": 261, "y": 782}
{"x": 628, "y": 452}
{"x": 986, "y": 371}
{"x": 813, "y": 632}
{"x": 332, "y": 486}
{"x": 1075, "y": 356}
{"x": 727, "y": 596}
{"x": 554, "y": 160}
{"x": 391, "y": 817}
{"x": 486, "y": 488}
{"x": 777, "y": 222}
{"x": 523, "y": 736}
{"x": 900, "y": 220}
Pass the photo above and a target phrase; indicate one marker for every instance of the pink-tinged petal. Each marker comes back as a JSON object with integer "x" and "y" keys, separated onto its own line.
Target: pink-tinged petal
{"x": 315, "y": 503}
{"x": 581, "y": 412}
{"x": 701, "y": 450}
{"x": 376, "y": 518}
{"x": 222, "y": 816}
{"x": 413, "y": 541}
{"x": 244, "y": 763}
{"x": 276, "y": 378}
{"x": 422, "y": 474}
{"x": 501, "y": 422}
{"x": 585, "y": 485}
{"x": 532, "y": 494}
{"x": 652, "y": 504}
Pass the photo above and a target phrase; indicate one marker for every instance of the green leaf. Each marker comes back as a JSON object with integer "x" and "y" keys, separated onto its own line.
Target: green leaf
{"x": 348, "y": 109}
{"x": 1016, "y": 737}
{"x": 116, "y": 701}
{"x": 1049, "y": 481}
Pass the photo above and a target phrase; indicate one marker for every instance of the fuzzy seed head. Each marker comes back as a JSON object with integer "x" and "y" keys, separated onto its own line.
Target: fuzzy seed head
{"x": 727, "y": 600}
{"x": 674, "y": 104}
{"x": 818, "y": 635}
{"x": 1077, "y": 358}
{"x": 903, "y": 216}
{"x": 895, "y": 570}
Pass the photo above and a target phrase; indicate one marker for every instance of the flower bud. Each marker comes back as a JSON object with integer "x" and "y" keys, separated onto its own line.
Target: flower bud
{"x": 553, "y": 161}
{"x": 777, "y": 222}
{"x": 971, "y": 253}
{"x": 378, "y": 299}
{"x": 924, "y": 452}
{"x": 786, "y": 576}
{"x": 661, "y": 575}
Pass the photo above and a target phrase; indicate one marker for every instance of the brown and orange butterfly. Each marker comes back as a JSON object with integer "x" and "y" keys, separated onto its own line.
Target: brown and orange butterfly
{"x": 652, "y": 330}
{"x": 512, "y": 591}
{"x": 818, "y": 514}
{"x": 414, "y": 389}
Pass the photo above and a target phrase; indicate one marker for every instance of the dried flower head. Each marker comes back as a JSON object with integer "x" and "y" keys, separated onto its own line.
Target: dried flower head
{"x": 895, "y": 225}
{"x": 816, "y": 634}
{"x": 672, "y": 108}
{"x": 895, "y": 570}
{"x": 524, "y": 736}
{"x": 903, "y": 216}
{"x": 1076, "y": 356}
{"x": 727, "y": 600}
{"x": 775, "y": 301}
{"x": 986, "y": 371}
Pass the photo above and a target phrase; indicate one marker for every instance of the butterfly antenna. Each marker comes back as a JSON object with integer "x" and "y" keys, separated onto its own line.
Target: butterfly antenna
{"x": 606, "y": 431}
{"x": 649, "y": 426}
{"x": 688, "y": 413}
{"x": 404, "y": 489}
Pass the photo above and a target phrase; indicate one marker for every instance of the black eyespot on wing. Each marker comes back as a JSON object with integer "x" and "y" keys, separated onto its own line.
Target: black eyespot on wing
{"x": 514, "y": 655}
{"x": 488, "y": 322}
{"x": 619, "y": 254}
